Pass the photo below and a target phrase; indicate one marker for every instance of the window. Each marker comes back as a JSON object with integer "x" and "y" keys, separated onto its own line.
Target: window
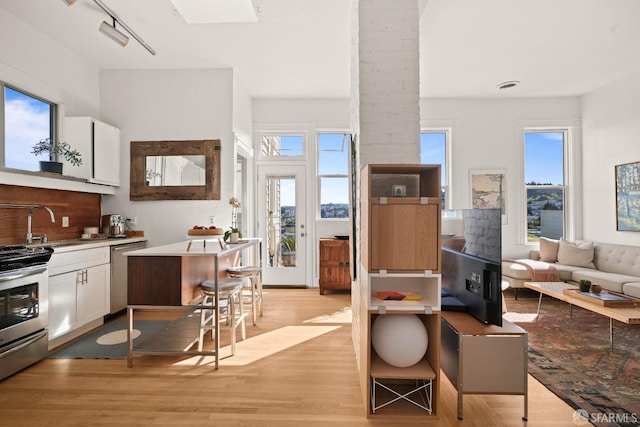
{"x": 27, "y": 120}
{"x": 282, "y": 145}
{"x": 544, "y": 173}
{"x": 333, "y": 175}
{"x": 433, "y": 151}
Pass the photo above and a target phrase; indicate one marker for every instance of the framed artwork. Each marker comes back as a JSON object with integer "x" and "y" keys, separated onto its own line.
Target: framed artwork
{"x": 399, "y": 190}
{"x": 628, "y": 197}
{"x": 489, "y": 190}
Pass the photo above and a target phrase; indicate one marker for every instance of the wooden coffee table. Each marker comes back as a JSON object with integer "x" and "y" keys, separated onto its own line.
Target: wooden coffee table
{"x": 628, "y": 315}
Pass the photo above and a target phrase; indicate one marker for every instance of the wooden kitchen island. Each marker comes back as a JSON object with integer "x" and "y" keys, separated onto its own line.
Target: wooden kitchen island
{"x": 168, "y": 277}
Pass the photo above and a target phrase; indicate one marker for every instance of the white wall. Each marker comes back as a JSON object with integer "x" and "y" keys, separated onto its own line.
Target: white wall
{"x": 308, "y": 115}
{"x": 242, "y": 112}
{"x": 157, "y": 105}
{"x": 611, "y": 136}
{"x": 33, "y": 62}
{"x": 485, "y": 135}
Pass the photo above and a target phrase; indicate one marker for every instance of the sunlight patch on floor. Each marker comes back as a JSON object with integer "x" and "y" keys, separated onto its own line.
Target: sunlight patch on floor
{"x": 341, "y": 316}
{"x": 261, "y": 346}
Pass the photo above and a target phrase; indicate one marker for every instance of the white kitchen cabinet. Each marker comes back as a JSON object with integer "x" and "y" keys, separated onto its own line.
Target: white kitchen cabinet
{"x": 62, "y": 304}
{"x": 99, "y": 145}
{"x": 79, "y": 289}
{"x": 93, "y": 293}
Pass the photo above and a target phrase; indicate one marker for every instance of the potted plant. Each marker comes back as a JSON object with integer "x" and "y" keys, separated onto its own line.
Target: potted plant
{"x": 232, "y": 235}
{"x": 288, "y": 245}
{"x": 584, "y": 285}
{"x": 55, "y": 151}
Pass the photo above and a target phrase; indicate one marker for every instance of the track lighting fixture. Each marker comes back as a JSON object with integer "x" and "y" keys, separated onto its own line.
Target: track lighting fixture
{"x": 70, "y": 2}
{"x": 113, "y": 33}
{"x": 116, "y": 35}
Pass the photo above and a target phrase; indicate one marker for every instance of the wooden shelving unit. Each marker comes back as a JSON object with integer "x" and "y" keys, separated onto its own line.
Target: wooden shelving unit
{"x": 400, "y": 252}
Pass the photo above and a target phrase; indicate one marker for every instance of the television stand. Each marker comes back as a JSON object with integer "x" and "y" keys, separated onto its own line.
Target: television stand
{"x": 483, "y": 359}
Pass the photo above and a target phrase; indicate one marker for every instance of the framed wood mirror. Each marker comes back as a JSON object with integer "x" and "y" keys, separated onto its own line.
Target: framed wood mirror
{"x": 175, "y": 170}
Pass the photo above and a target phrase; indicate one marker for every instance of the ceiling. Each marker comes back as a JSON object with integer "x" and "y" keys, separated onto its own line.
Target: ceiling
{"x": 301, "y": 48}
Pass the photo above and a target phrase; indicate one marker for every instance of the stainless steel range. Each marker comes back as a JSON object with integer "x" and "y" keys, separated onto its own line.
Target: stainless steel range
{"x": 23, "y": 307}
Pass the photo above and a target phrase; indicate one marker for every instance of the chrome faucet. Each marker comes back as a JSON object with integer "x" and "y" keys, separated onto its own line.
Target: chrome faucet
{"x": 30, "y": 236}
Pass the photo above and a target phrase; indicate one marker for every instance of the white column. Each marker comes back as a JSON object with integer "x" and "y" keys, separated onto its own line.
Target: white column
{"x": 385, "y": 81}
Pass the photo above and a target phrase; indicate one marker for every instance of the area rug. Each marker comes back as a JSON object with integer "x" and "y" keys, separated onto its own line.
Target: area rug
{"x": 570, "y": 354}
{"x": 109, "y": 341}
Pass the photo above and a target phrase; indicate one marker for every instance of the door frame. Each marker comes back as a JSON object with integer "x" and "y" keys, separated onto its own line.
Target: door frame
{"x": 301, "y": 276}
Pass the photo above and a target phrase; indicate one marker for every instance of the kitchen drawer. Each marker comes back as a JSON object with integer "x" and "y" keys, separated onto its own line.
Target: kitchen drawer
{"x": 62, "y": 262}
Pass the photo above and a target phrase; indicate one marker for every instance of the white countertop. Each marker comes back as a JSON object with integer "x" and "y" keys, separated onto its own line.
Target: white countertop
{"x": 198, "y": 248}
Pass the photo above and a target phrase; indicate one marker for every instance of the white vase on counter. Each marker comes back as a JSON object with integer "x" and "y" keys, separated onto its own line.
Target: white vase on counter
{"x": 234, "y": 238}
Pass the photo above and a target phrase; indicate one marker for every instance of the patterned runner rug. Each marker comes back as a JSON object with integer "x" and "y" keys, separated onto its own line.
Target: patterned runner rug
{"x": 571, "y": 356}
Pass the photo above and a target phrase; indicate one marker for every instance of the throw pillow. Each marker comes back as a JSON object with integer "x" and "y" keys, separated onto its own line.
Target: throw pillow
{"x": 579, "y": 253}
{"x": 549, "y": 249}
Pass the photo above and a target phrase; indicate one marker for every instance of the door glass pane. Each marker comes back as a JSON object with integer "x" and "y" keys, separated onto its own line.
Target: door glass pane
{"x": 280, "y": 214}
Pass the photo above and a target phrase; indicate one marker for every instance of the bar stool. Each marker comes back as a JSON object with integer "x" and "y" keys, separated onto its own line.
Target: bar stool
{"x": 254, "y": 274}
{"x": 231, "y": 310}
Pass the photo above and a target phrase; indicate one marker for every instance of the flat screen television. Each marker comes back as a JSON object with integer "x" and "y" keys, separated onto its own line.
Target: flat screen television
{"x": 471, "y": 263}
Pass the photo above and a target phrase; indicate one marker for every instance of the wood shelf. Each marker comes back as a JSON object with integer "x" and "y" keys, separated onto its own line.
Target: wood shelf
{"x": 427, "y": 286}
{"x": 400, "y": 252}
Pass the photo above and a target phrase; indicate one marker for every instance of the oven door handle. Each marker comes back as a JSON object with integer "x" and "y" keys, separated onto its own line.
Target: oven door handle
{"x": 23, "y": 272}
{"x": 22, "y": 345}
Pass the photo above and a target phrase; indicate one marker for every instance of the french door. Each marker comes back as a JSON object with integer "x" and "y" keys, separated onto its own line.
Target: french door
{"x": 281, "y": 224}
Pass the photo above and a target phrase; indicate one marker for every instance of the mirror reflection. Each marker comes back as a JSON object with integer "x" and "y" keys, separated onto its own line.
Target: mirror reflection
{"x": 168, "y": 171}
{"x": 175, "y": 170}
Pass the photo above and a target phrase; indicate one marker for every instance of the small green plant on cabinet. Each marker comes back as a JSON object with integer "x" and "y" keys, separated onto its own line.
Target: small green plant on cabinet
{"x": 57, "y": 149}
{"x": 584, "y": 285}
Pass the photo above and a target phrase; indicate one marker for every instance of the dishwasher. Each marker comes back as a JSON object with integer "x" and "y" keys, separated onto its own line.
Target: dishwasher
{"x": 119, "y": 274}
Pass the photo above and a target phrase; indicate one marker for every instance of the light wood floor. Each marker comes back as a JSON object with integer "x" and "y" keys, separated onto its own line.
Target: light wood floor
{"x": 299, "y": 383}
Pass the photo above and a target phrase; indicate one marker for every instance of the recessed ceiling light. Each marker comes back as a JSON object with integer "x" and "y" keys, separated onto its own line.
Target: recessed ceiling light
{"x": 508, "y": 85}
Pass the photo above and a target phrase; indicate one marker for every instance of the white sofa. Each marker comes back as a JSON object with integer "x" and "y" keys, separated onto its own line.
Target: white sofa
{"x": 614, "y": 267}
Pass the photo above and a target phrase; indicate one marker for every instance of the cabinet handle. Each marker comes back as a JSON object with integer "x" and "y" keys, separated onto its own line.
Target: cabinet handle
{"x": 341, "y": 264}
{"x": 79, "y": 278}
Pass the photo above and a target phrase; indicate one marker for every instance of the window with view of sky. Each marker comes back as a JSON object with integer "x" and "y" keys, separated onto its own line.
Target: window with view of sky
{"x": 544, "y": 183}
{"x": 333, "y": 174}
{"x": 27, "y": 121}
{"x": 433, "y": 151}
